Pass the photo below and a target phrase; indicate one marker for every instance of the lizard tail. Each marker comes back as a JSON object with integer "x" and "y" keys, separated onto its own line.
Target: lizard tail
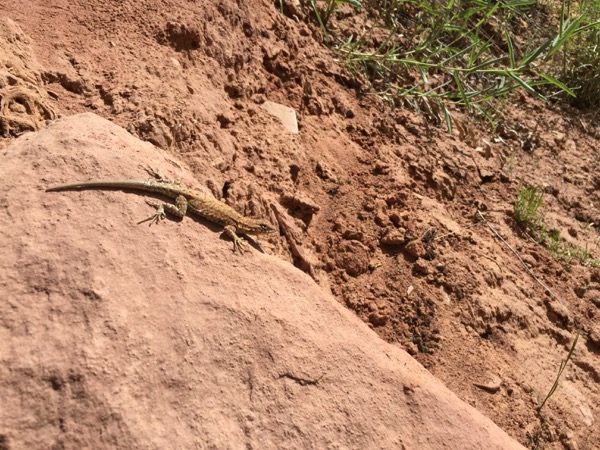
{"x": 123, "y": 184}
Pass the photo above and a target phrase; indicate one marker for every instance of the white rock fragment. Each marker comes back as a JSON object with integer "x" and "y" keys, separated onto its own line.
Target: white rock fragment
{"x": 285, "y": 114}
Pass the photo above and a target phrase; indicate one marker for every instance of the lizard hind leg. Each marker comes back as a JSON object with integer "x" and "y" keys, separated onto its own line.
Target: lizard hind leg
{"x": 159, "y": 176}
{"x": 179, "y": 209}
{"x": 157, "y": 216}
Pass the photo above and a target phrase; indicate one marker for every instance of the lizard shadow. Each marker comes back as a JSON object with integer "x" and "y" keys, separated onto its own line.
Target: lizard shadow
{"x": 217, "y": 228}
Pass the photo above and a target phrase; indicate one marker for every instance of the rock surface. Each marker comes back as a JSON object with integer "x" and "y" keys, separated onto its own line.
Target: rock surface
{"x": 117, "y": 335}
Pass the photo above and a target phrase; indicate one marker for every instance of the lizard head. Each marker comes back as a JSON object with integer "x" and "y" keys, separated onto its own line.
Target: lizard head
{"x": 259, "y": 227}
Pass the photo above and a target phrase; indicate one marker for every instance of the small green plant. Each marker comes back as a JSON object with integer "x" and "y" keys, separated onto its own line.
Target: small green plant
{"x": 324, "y": 14}
{"x": 529, "y": 215}
{"x": 470, "y": 53}
{"x": 566, "y": 252}
{"x": 581, "y": 59}
{"x": 528, "y": 209}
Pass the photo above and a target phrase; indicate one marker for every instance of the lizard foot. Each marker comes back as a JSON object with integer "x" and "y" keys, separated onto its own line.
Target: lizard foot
{"x": 157, "y": 216}
{"x": 158, "y": 175}
{"x": 238, "y": 242}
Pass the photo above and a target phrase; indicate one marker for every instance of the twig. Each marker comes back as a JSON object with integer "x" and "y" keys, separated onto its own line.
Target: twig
{"x": 563, "y": 365}
{"x": 522, "y": 262}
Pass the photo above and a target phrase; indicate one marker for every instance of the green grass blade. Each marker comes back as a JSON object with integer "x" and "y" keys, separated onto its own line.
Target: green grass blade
{"x": 511, "y": 49}
{"x": 489, "y": 14}
{"x": 534, "y": 54}
{"x": 560, "y": 39}
{"x": 316, "y": 10}
{"x": 461, "y": 89}
{"x": 557, "y": 83}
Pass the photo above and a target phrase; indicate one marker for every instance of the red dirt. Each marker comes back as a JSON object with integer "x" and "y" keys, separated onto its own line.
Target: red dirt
{"x": 382, "y": 204}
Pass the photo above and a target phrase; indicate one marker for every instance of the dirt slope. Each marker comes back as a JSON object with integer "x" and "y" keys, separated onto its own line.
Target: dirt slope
{"x": 377, "y": 205}
{"x": 117, "y": 335}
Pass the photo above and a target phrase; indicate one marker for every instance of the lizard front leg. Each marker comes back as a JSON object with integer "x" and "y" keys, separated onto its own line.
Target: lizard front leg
{"x": 179, "y": 209}
{"x": 238, "y": 242}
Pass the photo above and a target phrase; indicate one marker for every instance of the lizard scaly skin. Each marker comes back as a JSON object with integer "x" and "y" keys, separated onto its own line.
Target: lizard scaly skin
{"x": 186, "y": 199}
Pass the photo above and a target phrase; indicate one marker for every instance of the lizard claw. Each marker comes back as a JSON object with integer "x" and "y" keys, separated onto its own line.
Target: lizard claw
{"x": 159, "y": 176}
{"x": 154, "y": 173}
{"x": 239, "y": 244}
{"x": 157, "y": 216}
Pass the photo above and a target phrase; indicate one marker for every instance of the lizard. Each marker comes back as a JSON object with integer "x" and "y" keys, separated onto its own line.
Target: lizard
{"x": 186, "y": 199}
